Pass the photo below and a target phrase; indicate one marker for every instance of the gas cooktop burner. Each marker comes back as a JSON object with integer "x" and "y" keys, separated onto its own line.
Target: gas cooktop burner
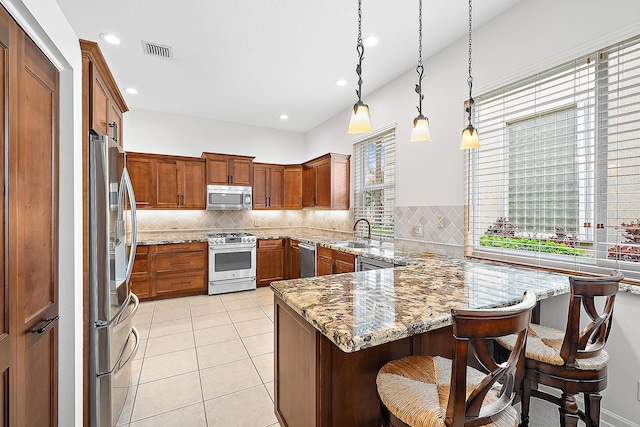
{"x": 219, "y": 238}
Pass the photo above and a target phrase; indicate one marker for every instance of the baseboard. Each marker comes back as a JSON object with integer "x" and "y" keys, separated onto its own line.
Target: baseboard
{"x": 607, "y": 418}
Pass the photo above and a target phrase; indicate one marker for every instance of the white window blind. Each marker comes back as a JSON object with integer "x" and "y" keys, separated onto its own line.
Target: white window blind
{"x": 557, "y": 180}
{"x": 375, "y": 184}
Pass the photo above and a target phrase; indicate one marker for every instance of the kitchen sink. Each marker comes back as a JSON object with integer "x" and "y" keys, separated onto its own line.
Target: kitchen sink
{"x": 352, "y": 244}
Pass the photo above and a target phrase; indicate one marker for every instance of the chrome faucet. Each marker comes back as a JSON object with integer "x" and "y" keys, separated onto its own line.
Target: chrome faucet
{"x": 368, "y": 227}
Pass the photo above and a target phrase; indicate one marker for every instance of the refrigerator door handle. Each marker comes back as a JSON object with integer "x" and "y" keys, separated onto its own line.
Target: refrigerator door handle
{"x": 103, "y": 324}
{"x": 134, "y": 224}
{"x": 120, "y": 363}
{"x": 123, "y": 321}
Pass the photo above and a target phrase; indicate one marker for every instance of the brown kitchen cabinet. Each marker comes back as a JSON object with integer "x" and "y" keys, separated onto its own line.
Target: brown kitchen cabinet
{"x": 268, "y": 186}
{"x": 167, "y": 182}
{"x": 227, "y": 169}
{"x": 329, "y": 261}
{"x": 170, "y": 271}
{"x": 325, "y": 182}
{"x": 292, "y": 187}
{"x": 105, "y": 104}
{"x": 269, "y": 261}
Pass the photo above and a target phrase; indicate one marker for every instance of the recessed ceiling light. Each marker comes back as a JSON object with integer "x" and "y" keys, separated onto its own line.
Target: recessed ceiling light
{"x": 110, "y": 38}
{"x": 131, "y": 90}
{"x": 284, "y": 116}
{"x": 370, "y": 41}
{"x": 341, "y": 82}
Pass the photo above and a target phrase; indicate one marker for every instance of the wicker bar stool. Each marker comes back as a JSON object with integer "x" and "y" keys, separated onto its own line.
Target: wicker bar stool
{"x": 572, "y": 361}
{"x": 425, "y": 391}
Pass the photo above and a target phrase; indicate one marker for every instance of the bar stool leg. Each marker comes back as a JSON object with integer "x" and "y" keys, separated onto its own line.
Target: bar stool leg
{"x": 568, "y": 411}
{"x": 524, "y": 402}
{"x": 592, "y": 409}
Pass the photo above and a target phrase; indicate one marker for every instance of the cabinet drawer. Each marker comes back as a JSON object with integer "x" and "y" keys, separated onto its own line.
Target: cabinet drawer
{"x": 141, "y": 264}
{"x": 262, "y": 243}
{"x": 182, "y": 247}
{"x": 343, "y": 256}
{"x": 140, "y": 285}
{"x": 180, "y": 261}
{"x": 325, "y": 252}
{"x": 180, "y": 282}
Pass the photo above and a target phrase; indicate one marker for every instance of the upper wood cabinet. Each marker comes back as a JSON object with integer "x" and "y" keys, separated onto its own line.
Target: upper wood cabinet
{"x": 268, "y": 186}
{"x": 226, "y": 169}
{"x": 292, "y": 187}
{"x": 325, "y": 182}
{"x": 167, "y": 182}
{"x": 103, "y": 104}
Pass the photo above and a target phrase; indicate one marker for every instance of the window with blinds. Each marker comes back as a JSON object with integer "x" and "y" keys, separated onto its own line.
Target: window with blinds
{"x": 557, "y": 180}
{"x": 375, "y": 184}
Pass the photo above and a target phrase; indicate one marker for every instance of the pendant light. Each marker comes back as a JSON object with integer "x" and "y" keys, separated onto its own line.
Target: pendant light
{"x": 420, "y": 130}
{"x": 360, "y": 118}
{"x": 470, "y": 134}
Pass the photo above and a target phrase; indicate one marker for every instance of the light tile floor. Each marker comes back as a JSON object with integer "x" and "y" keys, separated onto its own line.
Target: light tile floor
{"x": 203, "y": 361}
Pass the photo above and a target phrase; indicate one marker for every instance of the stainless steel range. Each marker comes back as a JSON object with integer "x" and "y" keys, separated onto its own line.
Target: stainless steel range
{"x": 232, "y": 262}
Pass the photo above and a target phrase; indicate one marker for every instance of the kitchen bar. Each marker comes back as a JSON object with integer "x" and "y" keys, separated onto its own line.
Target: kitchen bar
{"x": 333, "y": 333}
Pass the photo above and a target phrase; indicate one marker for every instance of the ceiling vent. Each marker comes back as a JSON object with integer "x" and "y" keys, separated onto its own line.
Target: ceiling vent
{"x": 154, "y": 49}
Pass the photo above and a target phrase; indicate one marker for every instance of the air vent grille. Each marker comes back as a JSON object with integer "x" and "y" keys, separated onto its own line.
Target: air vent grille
{"x": 155, "y": 49}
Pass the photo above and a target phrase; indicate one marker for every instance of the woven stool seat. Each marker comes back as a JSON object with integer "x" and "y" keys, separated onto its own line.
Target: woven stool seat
{"x": 544, "y": 345}
{"x": 416, "y": 390}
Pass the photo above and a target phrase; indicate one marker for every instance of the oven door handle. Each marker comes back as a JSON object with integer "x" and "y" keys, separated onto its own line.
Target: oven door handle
{"x": 231, "y": 248}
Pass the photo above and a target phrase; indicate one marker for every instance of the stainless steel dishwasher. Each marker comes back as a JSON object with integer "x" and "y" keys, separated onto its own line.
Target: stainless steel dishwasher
{"x": 307, "y": 259}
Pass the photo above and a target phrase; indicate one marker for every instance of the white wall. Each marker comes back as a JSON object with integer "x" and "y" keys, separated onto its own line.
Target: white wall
{"x": 532, "y": 36}
{"x": 45, "y": 24}
{"x": 164, "y": 133}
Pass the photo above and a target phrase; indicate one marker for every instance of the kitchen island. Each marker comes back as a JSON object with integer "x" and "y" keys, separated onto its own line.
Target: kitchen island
{"x": 333, "y": 333}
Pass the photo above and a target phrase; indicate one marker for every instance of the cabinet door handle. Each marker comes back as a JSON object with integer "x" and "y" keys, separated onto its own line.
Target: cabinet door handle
{"x": 46, "y": 326}
{"x": 114, "y": 126}
{"x": 269, "y": 198}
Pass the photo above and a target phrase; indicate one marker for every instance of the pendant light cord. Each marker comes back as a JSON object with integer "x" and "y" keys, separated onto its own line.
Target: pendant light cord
{"x": 470, "y": 78}
{"x": 420, "y": 67}
{"x": 360, "y": 49}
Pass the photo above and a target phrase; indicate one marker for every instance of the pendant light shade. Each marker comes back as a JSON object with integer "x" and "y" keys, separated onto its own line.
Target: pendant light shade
{"x": 470, "y": 134}
{"x": 360, "y": 119}
{"x": 359, "y": 122}
{"x": 469, "y": 138}
{"x": 420, "y": 130}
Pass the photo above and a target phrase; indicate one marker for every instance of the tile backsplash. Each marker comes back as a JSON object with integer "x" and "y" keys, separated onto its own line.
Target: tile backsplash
{"x": 159, "y": 220}
{"x": 438, "y": 229}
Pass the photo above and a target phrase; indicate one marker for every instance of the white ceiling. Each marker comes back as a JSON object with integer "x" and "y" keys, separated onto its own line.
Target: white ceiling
{"x": 249, "y": 61}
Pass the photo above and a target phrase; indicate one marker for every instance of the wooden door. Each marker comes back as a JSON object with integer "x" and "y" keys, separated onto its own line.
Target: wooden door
{"x": 140, "y": 171}
{"x": 217, "y": 169}
{"x": 308, "y": 186}
{"x": 240, "y": 171}
{"x": 292, "y": 178}
{"x": 259, "y": 187}
{"x": 32, "y": 194}
{"x": 194, "y": 190}
{"x": 323, "y": 184}
{"x": 166, "y": 185}
{"x": 276, "y": 187}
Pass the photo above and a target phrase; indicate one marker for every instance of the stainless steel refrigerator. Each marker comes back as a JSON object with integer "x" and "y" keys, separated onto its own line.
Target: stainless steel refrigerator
{"x": 113, "y": 341}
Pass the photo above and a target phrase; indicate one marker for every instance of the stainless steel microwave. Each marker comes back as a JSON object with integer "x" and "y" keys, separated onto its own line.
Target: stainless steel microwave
{"x": 228, "y": 198}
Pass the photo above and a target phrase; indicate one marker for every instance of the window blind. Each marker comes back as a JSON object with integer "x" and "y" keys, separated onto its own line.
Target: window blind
{"x": 374, "y": 184}
{"x": 557, "y": 180}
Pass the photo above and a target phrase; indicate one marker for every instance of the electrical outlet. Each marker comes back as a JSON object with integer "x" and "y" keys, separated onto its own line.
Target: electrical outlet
{"x": 173, "y": 225}
{"x": 639, "y": 390}
{"x": 256, "y": 222}
{"x": 440, "y": 221}
{"x": 418, "y": 230}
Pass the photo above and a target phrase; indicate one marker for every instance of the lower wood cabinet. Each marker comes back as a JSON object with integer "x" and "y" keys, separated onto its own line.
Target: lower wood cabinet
{"x": 269, "y": 261}
{"x": 171, "y": 270}
{"x": 294, "y": 260}
{"x": 329, "y": 261}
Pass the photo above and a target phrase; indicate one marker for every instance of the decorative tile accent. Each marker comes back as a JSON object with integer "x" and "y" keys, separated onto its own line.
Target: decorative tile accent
{"x": 442, "y": 228}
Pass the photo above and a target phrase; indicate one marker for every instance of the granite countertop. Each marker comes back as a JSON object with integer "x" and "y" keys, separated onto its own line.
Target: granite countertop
{"x": 361, "y": 310}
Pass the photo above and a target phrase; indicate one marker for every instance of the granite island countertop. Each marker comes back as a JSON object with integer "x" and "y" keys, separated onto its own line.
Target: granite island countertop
{"x": 361, "y": 310}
